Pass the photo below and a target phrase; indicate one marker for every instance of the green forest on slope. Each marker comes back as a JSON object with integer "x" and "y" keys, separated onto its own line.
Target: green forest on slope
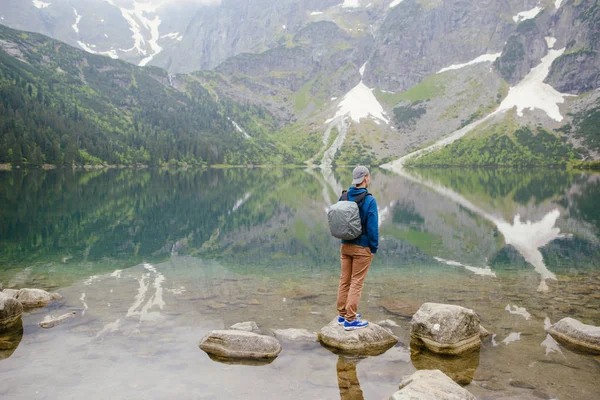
{"x": 62, "y": 106}
{"x": 523, "y": 148}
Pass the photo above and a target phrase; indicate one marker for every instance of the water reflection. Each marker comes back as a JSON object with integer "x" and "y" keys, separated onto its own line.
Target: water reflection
{"x": 79, "y": 224}
{"x": 154, "y": 259}
{"x": 10, "y": 340}
{"x": 460, "y": 369}
{"x": 526, "y": 237}
{"x": 347, "y": 378}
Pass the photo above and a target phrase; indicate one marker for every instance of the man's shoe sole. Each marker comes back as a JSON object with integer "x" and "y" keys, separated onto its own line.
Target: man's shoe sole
{"x": 353, "y": 328}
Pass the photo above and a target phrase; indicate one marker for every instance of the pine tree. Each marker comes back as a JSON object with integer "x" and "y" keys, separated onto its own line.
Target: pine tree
{"x": 17, "y": 158}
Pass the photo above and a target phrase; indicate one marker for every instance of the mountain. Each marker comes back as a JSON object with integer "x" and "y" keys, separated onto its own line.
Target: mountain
{"x": 368, "y": 81}
{"x": 134, "y": 31}
{"x": 61, "y": 105}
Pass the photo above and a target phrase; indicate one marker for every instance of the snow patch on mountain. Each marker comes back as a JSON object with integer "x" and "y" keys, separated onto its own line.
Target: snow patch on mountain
{"x": 174, "y": 36}
{"x": 533, "y": 93}
{"x": 112, "y": 53}
{"x": 138, "y": 19}
{"x": 558, "y": 3}
{"x": 41, "y": 4}
{"x": 550, "y": 41}
{"x": 316, "y": 13}
{"x": 530, "y": 94}
{"x": 329, "y": 153}
{"x": 351, "y": 4}
{"x": 480, "y": 59}
{"x": 525, "y": 15}
{"x": 359, "y": 103}
{"x": 239, "y": 128}
{"x": 77, "y": 19}
{"x": 395, "y": 3}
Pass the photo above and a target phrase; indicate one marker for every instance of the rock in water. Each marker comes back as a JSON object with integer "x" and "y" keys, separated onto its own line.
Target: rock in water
{"x": 576, "y": 335}
{"x": 10, "y": 311}
{"x": 430, "y": 385}
{"x": 51, "y": 322}
{"x": 369, "y": 341}
{"x": 240, "y": 345}
{"x": 446, "y": 329}
{"x": 31, "y": 298}
{"x": 10, "y": 292}
{"x": 296, "y": 335}
{"x": 248, "y": 326}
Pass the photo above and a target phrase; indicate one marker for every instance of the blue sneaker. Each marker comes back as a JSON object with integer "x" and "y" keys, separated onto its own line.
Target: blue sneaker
{"x": 356, "y": 324}
{"x": 342, "y": 319}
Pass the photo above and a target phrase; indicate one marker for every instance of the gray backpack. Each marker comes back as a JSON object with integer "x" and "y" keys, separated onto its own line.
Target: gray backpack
{"x": 344, "y": 217}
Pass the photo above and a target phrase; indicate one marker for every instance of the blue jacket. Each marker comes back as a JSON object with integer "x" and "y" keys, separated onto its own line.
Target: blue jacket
{"x": 370, "y": 218}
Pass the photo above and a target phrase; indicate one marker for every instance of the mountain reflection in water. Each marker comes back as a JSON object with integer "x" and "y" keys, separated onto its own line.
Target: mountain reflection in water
{"x": 152, "y": 260}
{"x": 527, "y": 238}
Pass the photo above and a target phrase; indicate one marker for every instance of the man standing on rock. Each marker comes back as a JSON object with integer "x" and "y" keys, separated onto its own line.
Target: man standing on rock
{"x": 356, "y": 255}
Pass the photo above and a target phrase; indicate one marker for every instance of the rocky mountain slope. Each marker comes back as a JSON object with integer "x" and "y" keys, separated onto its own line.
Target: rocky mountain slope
{"x": 63, "y": 106}
{"x": 362, "y": 80}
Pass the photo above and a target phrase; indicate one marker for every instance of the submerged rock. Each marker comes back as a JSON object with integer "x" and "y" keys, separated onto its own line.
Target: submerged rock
{"x": 240, "y": 345}
{"x": 10, "y": 311}
{"x": 296, "y": 335}
{"x": 388, "y": 323}
{"x": 576, "y": 335}
{"x": 248, "y": 326}
{"x": 51, "y": 322}
{"x": 401, "y": 308}
{"x": 430, "y": 385}
{"x": 369, "y": 341}
{"x": 31, "y": 298}
{"x": 446, "y": 329}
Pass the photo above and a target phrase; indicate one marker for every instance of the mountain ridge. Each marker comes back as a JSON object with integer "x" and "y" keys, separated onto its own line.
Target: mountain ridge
{"x": 433, "y": 67}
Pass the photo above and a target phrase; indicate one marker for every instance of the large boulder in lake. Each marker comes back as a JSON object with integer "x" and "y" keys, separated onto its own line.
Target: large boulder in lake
{"x": 576, "y": 335}
{"x": 31, "y": 298}
{"x": 234, "y": 345}
{"x": 446, "y": 329}
{"x": 10, "y": 311}
{"x": 370, "y": 341}
{"x": 430, "y": 385}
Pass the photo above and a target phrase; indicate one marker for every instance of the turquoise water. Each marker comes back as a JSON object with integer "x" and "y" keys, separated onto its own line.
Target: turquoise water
{"x": 152, "y": 260}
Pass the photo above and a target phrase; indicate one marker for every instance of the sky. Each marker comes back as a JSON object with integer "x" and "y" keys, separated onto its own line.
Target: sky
{"x": 204, "y": 2}
{"x": 157, "y": 2}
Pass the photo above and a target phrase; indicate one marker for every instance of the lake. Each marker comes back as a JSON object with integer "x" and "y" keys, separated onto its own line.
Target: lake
{"x": 152, "y": 260}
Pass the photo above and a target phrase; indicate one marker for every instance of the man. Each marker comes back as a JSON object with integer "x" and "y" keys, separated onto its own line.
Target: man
{"x": 356, "y": 255}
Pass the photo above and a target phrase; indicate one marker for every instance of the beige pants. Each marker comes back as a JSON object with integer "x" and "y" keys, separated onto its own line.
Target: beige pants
{"x": 355, "y": 261}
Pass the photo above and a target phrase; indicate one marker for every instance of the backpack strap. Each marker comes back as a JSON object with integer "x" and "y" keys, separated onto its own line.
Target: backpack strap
{"x": 358, "y": 199}
{"x": 363, "y": 221}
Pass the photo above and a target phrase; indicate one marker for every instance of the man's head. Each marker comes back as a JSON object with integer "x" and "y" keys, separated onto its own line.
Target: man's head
{"x": 361, "y": 177}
